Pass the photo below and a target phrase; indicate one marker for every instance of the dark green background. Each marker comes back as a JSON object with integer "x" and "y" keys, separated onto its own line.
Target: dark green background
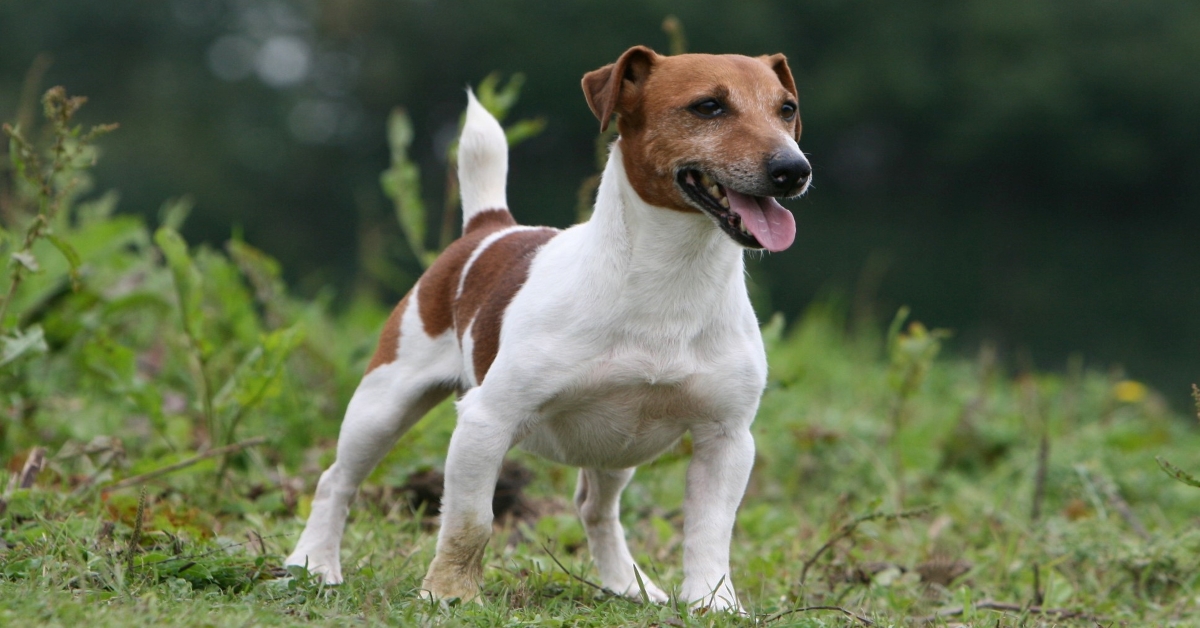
{"x": 1021, "y": 170}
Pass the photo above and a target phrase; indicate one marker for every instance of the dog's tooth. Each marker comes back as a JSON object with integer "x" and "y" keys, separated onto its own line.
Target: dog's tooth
{"x": 725, "y": 202}
{"x": 714, "y": 190}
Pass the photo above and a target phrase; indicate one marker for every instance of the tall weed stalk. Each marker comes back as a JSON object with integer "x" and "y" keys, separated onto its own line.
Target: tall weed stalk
{"x": 46, "y": 180}
{"x": 912, "y": 353}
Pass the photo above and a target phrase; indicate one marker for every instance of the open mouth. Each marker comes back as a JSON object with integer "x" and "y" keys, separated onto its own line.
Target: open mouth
{"x": 756, "y": 222}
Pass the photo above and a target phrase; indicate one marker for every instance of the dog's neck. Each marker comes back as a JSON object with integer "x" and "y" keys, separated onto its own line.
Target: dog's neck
{"x": 657, "y": 256}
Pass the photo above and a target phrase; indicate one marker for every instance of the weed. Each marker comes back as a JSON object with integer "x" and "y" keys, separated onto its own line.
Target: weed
{"x": 1174, "y": 471}
{"x": 912, "y": 354}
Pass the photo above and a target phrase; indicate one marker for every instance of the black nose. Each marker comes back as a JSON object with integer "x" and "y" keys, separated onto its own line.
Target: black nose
{"x": 788, "y": 170}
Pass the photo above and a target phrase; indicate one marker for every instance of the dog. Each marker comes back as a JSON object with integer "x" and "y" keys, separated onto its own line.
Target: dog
{"x": 601, "y": 345}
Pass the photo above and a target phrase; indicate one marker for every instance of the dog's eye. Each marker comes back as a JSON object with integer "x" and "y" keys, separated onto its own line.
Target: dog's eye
{"x": 708, "y": 108}
{"x": 788, "y": 111}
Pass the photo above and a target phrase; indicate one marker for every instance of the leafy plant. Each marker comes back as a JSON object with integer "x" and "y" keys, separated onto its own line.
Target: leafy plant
{"x": 47, "y": 180}
{"x": 98, "y": 319}
{"x": 911, "y": 355}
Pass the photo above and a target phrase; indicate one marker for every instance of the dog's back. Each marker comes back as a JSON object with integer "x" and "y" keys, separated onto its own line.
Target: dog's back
{"x": 472, "y": 282}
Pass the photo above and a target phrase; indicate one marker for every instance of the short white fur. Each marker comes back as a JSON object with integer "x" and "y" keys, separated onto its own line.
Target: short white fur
{"x": 631, "y": 330}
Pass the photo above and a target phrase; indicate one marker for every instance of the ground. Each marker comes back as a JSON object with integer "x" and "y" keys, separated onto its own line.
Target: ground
{"x": 889, "y": 483}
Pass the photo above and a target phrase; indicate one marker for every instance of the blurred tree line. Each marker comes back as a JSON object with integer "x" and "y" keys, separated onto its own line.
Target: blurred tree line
{"x": 1019, "y": 170}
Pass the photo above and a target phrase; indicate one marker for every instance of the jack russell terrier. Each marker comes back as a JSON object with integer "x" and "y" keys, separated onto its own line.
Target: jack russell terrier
{"x": 600, "y": 345}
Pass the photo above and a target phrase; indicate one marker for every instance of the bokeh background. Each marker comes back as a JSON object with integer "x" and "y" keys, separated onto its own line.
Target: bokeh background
{"x": 1020, "y": 171}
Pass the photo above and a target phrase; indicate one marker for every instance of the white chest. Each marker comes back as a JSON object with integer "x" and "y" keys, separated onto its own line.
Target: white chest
{"x": 632, "y": 329}
{"x": 626, "y": 406}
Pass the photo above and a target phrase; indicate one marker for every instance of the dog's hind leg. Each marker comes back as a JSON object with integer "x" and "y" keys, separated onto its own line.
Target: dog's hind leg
{"x": 410, "y": 374}
{"x": 597, "y": 498}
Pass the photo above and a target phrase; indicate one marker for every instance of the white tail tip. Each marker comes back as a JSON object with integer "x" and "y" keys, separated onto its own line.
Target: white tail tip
{"x": 482, "y": 161}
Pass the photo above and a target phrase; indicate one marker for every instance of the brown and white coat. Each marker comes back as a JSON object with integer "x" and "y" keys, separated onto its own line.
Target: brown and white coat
{"x": 601, "y": 345}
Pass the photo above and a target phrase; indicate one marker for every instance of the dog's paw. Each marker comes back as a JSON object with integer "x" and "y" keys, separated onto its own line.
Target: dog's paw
{"x": 719, "y": 599}
{"x": 634, "y": 592}
{"x": 718, "y": 604}
{"x": 444, "y": 582}
{"x": 327, "y": 568}
{"x": 442, "y": 591}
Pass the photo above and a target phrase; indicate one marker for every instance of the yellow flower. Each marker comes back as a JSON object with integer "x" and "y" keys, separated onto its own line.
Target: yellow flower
{"x": 1130, "y": 391}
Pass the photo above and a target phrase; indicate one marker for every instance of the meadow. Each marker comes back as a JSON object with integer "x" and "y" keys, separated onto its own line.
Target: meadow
{"x": 166, "y": 409}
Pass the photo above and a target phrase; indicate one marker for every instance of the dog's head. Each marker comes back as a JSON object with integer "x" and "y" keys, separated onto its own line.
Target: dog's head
{"x": 708, "y": 133}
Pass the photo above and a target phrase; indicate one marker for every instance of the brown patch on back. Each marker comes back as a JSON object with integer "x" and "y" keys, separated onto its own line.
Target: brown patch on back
{"x": 439, "y": 284}
{"x": 651, "y": 95}
{"x": 491, "y": 283}
{"x": 389, "y": 339}
{"x": 490, "y": 219}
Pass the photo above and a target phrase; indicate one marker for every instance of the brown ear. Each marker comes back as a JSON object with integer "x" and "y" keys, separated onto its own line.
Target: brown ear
{"x": 778, "y": 64}
{"x": 603, "y": 88}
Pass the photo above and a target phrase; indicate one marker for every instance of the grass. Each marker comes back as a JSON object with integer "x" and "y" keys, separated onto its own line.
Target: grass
{"x": 969, "y": 450}
{"x": 892, "y": 486}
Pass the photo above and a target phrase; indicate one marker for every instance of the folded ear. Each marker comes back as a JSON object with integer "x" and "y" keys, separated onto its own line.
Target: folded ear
{"x": 607, "y": 87}
{"x": 778, "y": 64}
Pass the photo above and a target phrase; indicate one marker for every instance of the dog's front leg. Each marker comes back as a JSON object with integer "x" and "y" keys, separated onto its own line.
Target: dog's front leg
{"x": 721, "y": 461}
{"x": 473, "y": 462}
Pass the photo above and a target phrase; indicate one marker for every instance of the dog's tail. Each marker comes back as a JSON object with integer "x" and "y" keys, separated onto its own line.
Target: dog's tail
{"x": 482, "y": 161}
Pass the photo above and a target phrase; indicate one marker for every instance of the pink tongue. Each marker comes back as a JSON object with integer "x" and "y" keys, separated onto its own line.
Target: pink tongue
{"x": 763, "y": 216}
